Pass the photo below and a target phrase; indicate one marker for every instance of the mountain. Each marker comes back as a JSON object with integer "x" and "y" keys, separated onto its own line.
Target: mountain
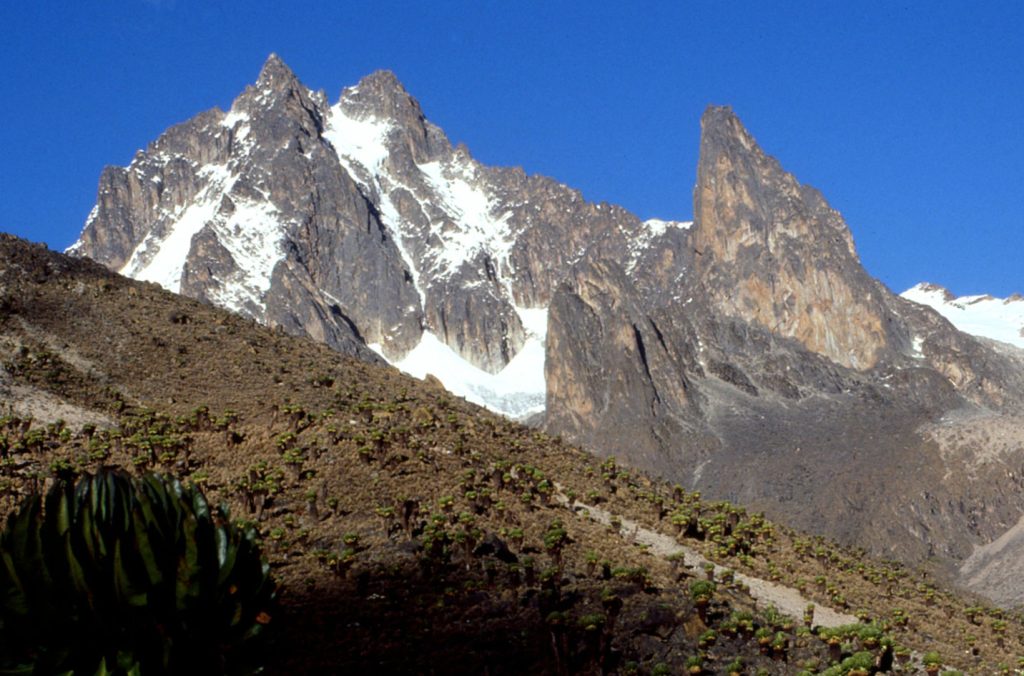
{"x": 357, "y": 224}
{"x": 413, "y": 532}
{"x": 747, "y": 354}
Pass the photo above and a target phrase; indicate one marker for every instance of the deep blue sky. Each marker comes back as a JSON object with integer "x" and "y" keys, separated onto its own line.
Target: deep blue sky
{"x": 907, "y": 116}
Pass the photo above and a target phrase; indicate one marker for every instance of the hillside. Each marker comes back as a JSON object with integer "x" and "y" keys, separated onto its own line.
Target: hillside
{"x": 413, "y": 531}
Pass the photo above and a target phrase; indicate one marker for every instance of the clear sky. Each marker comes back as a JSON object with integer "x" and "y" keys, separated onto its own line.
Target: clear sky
{"x": 906, "y": 115}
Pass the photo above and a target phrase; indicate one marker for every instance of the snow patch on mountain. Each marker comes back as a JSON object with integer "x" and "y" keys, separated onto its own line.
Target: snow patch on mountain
{"x": 458, "y": 192}
{"x": 251, "y": 232}
{"x": 454, "y": 186}
{"x": 362, "y": 141}
{"x": 996, "y": 318}
{"x": 656, "y": 227}
{"x": 252, "y": 235}
{"x": 468, "y": 225}
{"x": 517, "y": 391}
{"x": 234, "y": 117}
{"x": 916, "y": 347}
{"x": 160, "y": 257}
{"x": 361, "y": 146}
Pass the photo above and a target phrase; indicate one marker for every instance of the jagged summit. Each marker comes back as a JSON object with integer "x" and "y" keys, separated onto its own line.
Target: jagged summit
{"x": 733, "y": 168}
{"x": 381, "y": 96}
{"x": 773, "y": 252}
{"x": 721, "y": 122}
{"x": 276, "y": 74}
{"x": 356, "y": 223}
{"x": 928, "y": 287}
{"x": 382, "y": 81}
{"x": 382, "y": 91}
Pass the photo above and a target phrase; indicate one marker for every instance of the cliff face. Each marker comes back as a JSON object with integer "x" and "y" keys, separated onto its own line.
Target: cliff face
{"x": 250, "y": 210}
{"x": 747, "y": 354}
{"x": 772, "y": 252}
{"x": 615, "y": 382}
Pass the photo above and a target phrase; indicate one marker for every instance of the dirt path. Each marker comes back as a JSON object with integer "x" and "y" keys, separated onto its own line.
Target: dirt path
{"x": 788, "y": 600}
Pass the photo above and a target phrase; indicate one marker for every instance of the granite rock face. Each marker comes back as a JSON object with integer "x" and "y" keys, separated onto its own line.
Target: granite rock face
{"x": 748, "y": 354}
{"x": 772, "y": 252}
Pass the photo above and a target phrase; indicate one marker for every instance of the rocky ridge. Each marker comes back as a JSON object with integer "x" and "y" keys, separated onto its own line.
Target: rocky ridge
{"x": 775, "y": 372}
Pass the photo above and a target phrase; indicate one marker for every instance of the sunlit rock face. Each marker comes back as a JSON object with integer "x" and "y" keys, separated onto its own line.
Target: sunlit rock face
{"x": 752, "y": 357}
{"x": 772, "y": 251}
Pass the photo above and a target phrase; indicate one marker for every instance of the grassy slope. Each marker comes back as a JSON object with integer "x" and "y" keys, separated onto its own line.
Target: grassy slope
{"x": 329, "y": 454}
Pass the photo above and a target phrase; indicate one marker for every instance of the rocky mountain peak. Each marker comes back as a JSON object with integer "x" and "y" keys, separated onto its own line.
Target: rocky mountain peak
{"x": 928, "y": 287}
{"x": 773, "y": 252}
{"x": 382, "y": 95}
{"x": 280, "y": 100}
{"x": 276, "y": 75}
{"x": 721, "y": 127}
{"x": 767, "y": 199}
{"x": 382, "y": 82}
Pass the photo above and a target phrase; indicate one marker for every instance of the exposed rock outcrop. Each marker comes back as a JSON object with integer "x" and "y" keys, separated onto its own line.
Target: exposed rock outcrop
{"x": 389, "y": 229}
{"x": 772, "y": 252}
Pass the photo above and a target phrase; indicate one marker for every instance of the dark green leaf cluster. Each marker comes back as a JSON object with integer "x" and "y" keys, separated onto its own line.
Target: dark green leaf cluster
{"x": 123, "y": 575}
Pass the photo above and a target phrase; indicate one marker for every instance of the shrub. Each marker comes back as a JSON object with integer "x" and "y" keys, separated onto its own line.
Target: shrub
{"x": 702, "y": 590}
{"x": 119, "y": 574}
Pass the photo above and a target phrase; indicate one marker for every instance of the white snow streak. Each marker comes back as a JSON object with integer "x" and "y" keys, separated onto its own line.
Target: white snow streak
{"x": 471, "y": 210}
{"x": 471, "y": 227}
{"x": 361, "y": 146}
{"x": 162, "y": 260}
{"x": 233, "y": 117}
{"x": 648, "y": 232}
{"x": 917, "y": 344}
{"x": 361, "y": 141}
{"x": 252, "y": 234}
{"x": 657, "y": 227}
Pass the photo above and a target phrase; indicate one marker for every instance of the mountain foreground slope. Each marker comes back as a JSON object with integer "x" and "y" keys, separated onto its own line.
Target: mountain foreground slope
{"x": 415, "y": 532}
{"x": 748, "y": 355}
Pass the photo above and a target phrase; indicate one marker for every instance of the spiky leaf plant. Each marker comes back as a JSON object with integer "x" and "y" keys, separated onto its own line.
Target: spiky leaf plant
{"x": 117, "y": 574}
